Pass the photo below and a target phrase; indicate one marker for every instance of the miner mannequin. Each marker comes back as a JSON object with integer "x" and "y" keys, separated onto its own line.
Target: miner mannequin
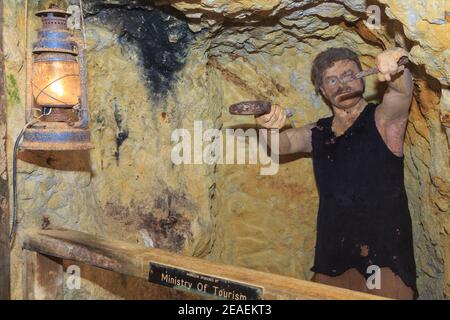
{"x": 363, "y": 223}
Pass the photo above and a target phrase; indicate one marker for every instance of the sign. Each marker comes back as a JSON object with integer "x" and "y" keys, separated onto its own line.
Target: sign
{"x": 202, "y": 284}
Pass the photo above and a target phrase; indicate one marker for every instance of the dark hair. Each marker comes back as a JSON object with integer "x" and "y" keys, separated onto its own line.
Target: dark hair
{"x": 326, "y": 59}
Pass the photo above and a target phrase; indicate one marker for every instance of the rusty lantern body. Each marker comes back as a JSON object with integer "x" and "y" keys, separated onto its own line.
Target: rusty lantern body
{"x": 57, "y": 104}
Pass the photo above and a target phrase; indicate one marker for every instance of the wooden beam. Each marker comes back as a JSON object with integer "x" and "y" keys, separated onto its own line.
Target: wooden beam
{"x": 4, "y": 193}
{"x": 134, "y": 260}
{"x": 42, "y": 277}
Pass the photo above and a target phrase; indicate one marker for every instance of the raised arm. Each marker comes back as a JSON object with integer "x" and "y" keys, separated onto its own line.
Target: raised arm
{"x": 391, "y": 116}
{"x": 397, "y": 98}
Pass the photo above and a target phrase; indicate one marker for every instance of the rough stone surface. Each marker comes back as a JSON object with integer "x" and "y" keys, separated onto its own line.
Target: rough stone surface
{"x": 221, "y": 52}
{"x": 127, "y": 187}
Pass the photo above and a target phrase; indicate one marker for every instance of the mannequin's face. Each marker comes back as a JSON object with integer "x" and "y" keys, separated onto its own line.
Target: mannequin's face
{"x": 342, "y": 96}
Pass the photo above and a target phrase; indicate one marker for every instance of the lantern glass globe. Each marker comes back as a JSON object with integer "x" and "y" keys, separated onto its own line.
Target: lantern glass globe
{"x": 56, "y": 80}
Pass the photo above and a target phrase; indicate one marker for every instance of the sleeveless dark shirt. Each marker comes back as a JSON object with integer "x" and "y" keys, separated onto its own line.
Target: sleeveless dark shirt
{"x": 363, "y": 216}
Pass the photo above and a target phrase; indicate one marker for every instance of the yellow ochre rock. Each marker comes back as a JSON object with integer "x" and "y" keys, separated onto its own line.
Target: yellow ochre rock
{"x": 150, "y": 73}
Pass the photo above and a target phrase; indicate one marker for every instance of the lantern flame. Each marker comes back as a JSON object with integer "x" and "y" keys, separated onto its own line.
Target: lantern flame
{"x": 57, "y": 88}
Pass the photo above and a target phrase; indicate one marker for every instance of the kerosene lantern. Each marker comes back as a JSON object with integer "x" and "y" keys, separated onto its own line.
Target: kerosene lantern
{"x": 57, "y": 109}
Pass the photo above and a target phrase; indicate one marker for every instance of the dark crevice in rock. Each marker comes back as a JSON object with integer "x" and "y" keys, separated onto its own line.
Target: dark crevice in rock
{"x": 162, "y": 37}
{"x": 122, "y": 133}
{"x": 168, "y": 222}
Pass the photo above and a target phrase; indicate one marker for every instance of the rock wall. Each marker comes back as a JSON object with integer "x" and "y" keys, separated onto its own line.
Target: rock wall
{"x": 155, "y": 66}
{"x": 127, "y": 187}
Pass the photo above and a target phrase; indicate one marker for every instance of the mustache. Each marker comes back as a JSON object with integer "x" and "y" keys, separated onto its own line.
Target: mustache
{"x": 342, "y": 90}
{"x": 344, "y": 93}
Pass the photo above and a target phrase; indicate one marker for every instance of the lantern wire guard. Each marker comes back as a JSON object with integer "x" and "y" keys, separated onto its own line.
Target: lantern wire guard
{"x": 78, "y": 141}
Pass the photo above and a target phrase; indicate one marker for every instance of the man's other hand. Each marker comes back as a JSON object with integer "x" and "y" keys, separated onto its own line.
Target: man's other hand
{"x": 276, "y": 119}
{"x": 387, "y": 63}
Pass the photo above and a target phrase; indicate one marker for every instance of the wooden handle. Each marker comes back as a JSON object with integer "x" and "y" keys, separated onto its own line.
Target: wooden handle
{"x": 256, "y": 108}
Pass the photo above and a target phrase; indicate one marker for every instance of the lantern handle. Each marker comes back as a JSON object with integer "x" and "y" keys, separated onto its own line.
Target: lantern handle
{"x": 83, "y": 111}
